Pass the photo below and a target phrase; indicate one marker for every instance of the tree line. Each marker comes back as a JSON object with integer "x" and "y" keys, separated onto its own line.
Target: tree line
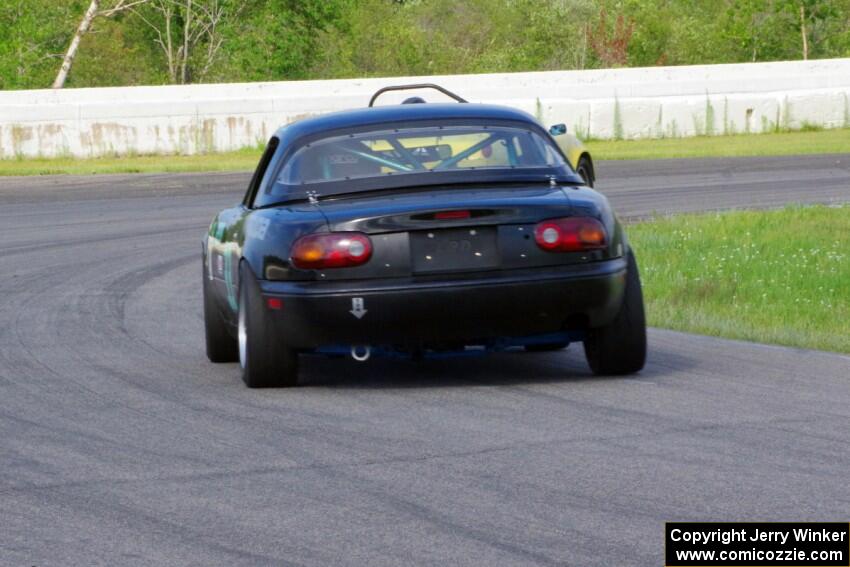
{"x": 85, "y": 43}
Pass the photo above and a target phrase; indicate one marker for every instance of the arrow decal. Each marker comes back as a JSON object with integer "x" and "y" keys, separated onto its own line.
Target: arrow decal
{"x": 357, "y": 307}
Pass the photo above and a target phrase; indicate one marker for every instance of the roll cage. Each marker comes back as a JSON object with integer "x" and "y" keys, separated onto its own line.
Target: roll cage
{"x": 414, "y": 86}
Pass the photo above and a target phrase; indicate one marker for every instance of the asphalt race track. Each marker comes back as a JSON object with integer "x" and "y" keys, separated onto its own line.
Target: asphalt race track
{"x": 121, "y": 445}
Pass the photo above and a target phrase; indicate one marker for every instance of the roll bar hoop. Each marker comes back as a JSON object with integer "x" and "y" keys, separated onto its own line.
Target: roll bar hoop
{"x": 383, "y": 90}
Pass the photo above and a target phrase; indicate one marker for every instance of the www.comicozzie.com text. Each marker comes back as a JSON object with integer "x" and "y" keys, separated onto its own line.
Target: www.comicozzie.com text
{"x": 726, "y": 536}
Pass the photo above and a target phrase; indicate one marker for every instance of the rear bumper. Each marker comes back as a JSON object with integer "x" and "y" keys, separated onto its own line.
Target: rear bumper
{"x": 414, "y": 312}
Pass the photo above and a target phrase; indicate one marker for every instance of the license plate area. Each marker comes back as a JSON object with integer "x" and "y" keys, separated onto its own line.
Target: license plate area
{"x": 454, "y": 249}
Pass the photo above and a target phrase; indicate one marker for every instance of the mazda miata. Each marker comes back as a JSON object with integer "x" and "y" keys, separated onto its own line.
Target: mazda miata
{"x": 418, "y": 230}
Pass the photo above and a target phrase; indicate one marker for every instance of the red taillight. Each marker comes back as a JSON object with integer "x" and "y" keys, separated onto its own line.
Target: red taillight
{"x": 451, "y": 215}
{"x": 572, "y": 234}
{"x": 331, "y": 250}
{"x": 275, "y": 303}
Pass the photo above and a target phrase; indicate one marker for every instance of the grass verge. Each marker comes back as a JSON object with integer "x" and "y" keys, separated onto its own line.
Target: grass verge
{"x": 743, "y": 145}
{"x": 777, "y": 144}
{"x": 241, "y": 160}
{"x": 778, "y": 277}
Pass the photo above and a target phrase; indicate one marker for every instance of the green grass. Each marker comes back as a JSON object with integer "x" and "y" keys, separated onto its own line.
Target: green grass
{"x": 241, "y": 160}
{"x": 777, "y": 144}
{"x": 778, "y": 277}
{"x": 788, "y": 143}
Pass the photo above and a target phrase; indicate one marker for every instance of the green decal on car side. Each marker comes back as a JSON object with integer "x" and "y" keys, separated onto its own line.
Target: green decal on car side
{"x": 228, "y": 281}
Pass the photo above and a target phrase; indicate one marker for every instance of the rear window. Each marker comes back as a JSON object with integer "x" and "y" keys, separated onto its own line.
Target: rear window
{"x": 404, "y": 151}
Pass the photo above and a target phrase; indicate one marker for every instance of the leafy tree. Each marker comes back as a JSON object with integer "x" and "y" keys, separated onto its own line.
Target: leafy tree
{"x": 163, "y": 41}
{"x": 378, "y": 37}
{"x": 276, "y": 39}
{"x": 188, "y": 33}
{"x": 610, "y": 44}
{"x": 97, "y": 8}
{"x": 115, "y": 53}
{"x": 815, "y": 22}
{"x": 33, "y": 35}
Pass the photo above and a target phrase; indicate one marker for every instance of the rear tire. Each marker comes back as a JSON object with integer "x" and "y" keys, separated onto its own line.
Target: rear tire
{"x": 585, "y": 170}
{"x": 620, "y": 346}
{"x": 221, "y": 346}
{"x": 266, "y": 363}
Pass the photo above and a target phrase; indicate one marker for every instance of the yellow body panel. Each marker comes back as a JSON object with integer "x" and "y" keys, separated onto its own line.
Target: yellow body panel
{"x": 572, "y": 148}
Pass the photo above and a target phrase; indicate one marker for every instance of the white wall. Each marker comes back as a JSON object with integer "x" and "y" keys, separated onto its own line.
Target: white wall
{"x": 609, "y": 103}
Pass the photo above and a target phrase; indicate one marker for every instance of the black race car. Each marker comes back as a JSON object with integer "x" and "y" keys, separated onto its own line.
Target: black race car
{"x": 418, "y": 230}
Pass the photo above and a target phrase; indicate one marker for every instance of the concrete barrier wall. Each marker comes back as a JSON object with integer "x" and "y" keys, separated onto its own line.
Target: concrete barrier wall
{"x": 613, "y": 103}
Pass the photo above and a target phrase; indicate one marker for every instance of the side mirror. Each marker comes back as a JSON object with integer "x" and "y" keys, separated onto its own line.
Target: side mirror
{"x": 558, "y": 129}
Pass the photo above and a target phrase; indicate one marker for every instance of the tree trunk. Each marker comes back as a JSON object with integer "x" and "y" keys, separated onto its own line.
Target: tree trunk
{"x": 75, "y": 44}
{"x": 753, "y": 36}
{"x": 184, "y": 71}
{"x": 803, "y": 31}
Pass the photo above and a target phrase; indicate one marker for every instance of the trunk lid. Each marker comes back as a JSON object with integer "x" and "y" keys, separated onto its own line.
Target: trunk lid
{"x": 404, "y": 211}
{"x": 411, "y": 238}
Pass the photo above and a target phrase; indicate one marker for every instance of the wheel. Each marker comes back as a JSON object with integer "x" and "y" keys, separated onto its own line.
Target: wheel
{"x": 546, "y": 347}
{"x": 620, "y": 346}
{"x": 221, "y": 346}
{"x": 265, "y": 362}
{"x": 585, "y": 170}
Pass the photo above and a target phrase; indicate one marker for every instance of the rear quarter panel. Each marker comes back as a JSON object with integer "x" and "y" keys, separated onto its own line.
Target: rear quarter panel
{"x": 262, "y": 238}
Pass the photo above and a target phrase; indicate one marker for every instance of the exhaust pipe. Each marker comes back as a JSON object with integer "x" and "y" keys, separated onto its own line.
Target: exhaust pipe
{"x": 363, "y": 355}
